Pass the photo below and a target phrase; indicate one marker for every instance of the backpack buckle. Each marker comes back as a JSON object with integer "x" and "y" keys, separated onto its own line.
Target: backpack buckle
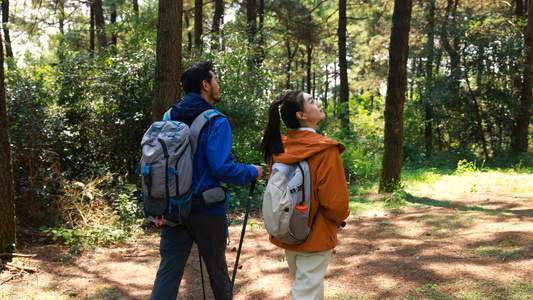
{"x": 296, "y": 189}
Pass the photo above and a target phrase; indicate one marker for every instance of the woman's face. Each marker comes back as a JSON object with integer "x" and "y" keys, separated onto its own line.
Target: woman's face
{"x": 312, "y": 112}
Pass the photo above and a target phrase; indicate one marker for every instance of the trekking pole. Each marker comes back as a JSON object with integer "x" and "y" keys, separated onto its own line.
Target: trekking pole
{"x": 201, "y": 272}
{"x": 250, "y": 196}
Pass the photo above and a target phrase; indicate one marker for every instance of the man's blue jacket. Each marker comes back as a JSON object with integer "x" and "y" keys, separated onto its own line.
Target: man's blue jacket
{"x": 214, "y": 150}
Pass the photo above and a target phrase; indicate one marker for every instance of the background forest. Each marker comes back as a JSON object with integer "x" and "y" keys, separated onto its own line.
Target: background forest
{"x": 80, "y": 91}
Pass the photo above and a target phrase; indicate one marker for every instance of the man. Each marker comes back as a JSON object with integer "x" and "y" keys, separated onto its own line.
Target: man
{"x": 207, "y": 227}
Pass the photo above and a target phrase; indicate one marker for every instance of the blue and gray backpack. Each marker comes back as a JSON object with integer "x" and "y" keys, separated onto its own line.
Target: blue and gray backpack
{"x": 168, "y": 149}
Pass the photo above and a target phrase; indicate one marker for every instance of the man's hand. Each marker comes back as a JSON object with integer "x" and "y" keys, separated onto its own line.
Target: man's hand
{"x": 259, "y": 171}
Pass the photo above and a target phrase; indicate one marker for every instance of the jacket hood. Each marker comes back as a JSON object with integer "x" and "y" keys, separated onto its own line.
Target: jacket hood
{"x": 302, "y": 144}
{"x": 189, "y": 107}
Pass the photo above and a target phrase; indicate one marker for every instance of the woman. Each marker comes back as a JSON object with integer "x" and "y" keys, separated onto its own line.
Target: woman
{"x": 308, "y": 262}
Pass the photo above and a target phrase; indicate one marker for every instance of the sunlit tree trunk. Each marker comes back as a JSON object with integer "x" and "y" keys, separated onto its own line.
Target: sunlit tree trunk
{"x": 394, "y": 103}
{"x": 7, "y": 193}
{"x": 168, "y": 54}
{"x": 61, "y": 16}
{"x": 5, "y": 21}
{"x": 344, "y": 111}
{"x": 523, "y": 119}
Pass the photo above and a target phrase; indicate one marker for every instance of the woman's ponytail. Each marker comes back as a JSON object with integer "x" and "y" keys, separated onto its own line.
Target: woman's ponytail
{"x": 271, "y": 143}
{"x": 291, "y": 103}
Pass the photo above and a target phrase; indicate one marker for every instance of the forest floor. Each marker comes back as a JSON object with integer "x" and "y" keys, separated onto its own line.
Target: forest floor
{"x": 474, "y": 243}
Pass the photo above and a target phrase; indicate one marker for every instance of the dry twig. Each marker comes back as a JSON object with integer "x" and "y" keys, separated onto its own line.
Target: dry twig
{"x": 18, "y": 255}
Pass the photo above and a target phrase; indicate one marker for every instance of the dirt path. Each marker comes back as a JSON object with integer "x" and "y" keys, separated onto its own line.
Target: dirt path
{"x": 457, "y": 247}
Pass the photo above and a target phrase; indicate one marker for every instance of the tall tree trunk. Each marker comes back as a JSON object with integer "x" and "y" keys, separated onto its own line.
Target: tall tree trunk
{"x": 523, "y": 119}
{"x": 326, "y": 84}
{"x": 519, "y": 14}
{"x": 113, "y": 20}
{"x": 217, "y": 20}
{"x": 344, "y": 112}
{"x": 314, "y": 85}
{"x": 261, "y": 42}
{"x": 168, "y": 55}
{"x": 391, "y": 166}
{"x": 5, "y": 21}
{"x": 100, "y": 24}
{"x": 290, "y": 57}
{"x": 428, "y": 99}
{"x": 251, "y": 29}
{"x": 451, "y": 45}
{"x": 61, "y": 16}
{"x": 7, "y": 190}
{"x": 189, "y": 34}
{"x": 92, "y": 34}
{"x": 198, "y": 23}
{"x": 308, "y": 65}
{"x": 136, "y": 7}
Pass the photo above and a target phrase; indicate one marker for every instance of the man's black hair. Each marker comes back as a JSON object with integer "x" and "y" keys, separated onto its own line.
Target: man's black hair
{"x": 193, "y": 77}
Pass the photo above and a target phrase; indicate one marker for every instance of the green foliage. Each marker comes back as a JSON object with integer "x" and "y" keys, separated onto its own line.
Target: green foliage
{"x": 362, "y": 157}
{"x": 465, "y": 166}
{"x": 94, "y": 212}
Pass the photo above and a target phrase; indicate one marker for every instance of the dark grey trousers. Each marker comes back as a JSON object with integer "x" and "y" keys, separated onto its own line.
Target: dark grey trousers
{"x": 209, "y": 233}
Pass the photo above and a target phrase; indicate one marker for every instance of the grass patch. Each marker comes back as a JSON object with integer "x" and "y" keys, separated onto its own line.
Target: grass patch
{"x": 497, "y": 252}
{"x": 479, "y": 289}
{"x": 447, "y": 225}
{"x": 422, "y": 188}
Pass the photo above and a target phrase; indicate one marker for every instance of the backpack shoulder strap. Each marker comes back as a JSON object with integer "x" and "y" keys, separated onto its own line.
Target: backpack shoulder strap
{"x": 167, "y": 115}
{"x": 199, "y": 123}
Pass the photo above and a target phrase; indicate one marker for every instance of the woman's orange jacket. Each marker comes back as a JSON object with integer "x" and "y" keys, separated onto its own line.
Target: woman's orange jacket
{"x": 329, "y": 192}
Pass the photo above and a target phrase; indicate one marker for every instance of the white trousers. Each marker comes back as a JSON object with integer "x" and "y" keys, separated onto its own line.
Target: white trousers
{"x": 308, "y": 270}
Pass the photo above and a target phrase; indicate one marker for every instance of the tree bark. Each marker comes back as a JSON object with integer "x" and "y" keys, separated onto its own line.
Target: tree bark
{"x": 91, "y": 32}
{"x": 251, "y": 20}
{"x": 308, "y": 65}
{"x": 198, "y": 23}
{"x": 113, "y": 20}
{"x": 136, "y": 7}
{"x": 189, "y": 34}
{"x": 395, "y": 99}
{"x": 168, "y": 55}
{"x": 523, "y": 119}
{"x": 428, "y": 99}
{"x": 251, "y": 29}
{"x": 7, "y": 193}
{"x": 61, "y": 16}
{"x": 217, "y": 20}
{"x": 290, "y": 56}
{"x": 5, "y": 21}
{"x": 261, "y": 42}
{"x": 100, "y": 24}
{"x": 344, "y": 112}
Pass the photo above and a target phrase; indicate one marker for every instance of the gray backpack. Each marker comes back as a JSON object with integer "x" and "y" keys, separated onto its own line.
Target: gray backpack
{"x": 286, "y": 202}
{"x": 168, "y": 148}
